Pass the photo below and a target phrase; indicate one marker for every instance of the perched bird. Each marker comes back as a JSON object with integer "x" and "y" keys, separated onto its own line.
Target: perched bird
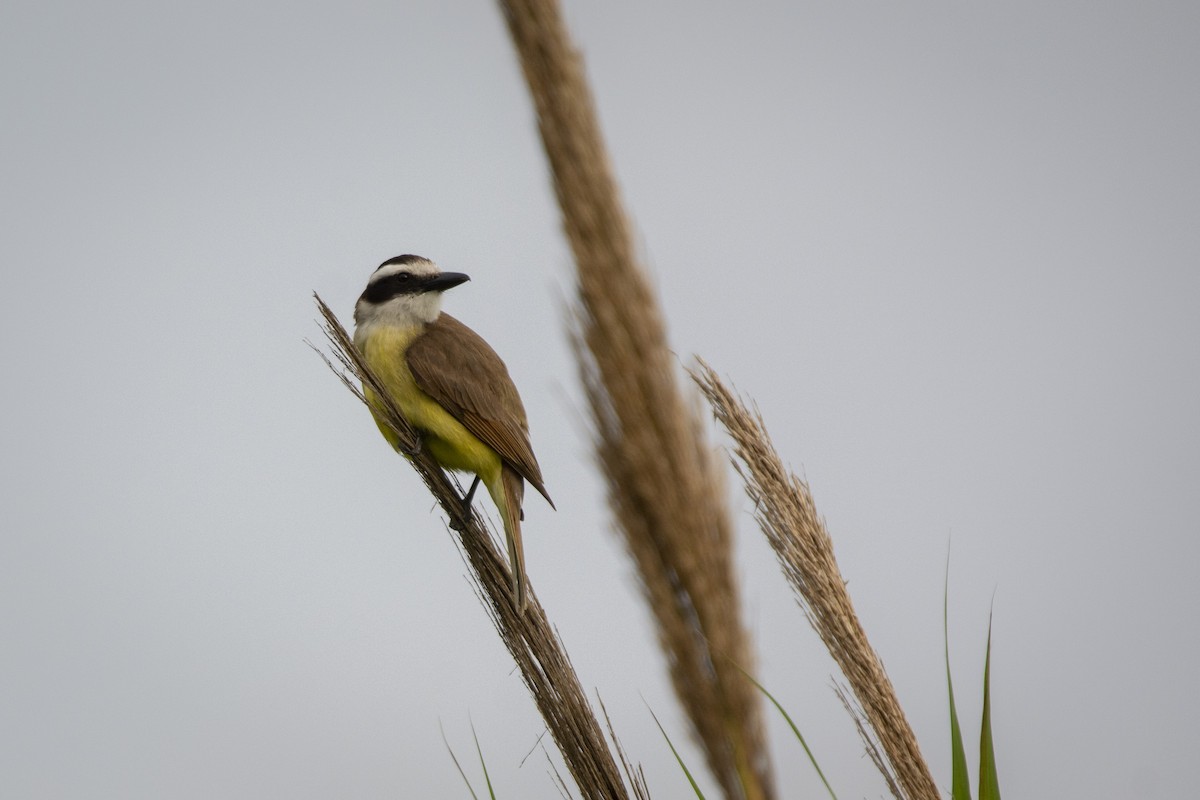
{"x": 451, "y": 387}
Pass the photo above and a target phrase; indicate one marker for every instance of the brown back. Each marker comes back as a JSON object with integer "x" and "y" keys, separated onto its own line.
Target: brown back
{"x": 457, "y": 368}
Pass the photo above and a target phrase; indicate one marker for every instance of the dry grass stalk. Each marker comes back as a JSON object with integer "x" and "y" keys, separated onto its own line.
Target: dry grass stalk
{"x": 635, "y": 774}
{"x": 543, "y": 662}
{"x": 786, "y": 512}
{"x": 663, "y": 484}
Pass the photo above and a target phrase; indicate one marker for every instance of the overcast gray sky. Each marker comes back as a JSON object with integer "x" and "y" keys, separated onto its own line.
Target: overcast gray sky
{"x": 951, "y": 250}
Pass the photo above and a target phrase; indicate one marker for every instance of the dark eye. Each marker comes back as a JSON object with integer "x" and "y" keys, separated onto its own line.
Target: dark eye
{"x": 402, "y": 277}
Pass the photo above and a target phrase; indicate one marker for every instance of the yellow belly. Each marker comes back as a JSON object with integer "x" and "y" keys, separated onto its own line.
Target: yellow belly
{"x": 450, "y": 443}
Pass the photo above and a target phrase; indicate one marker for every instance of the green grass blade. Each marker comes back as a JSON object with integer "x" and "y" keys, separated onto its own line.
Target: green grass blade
{"x": 457, "y": 766}
{"x": 679, "y": 759}
{"x": 482, "y": 763}
{"x": 960, "y": 786}
{"x": 811, "y": 758}
{"x": 989, "y": 780}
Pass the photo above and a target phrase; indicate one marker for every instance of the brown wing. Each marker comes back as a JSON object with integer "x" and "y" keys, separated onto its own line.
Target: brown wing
{"x": 457, "y": 368}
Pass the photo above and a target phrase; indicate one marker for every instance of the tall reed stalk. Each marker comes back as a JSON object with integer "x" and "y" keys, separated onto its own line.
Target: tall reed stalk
{"x": 784, "y": 508}
{"x": 664, "y": 487}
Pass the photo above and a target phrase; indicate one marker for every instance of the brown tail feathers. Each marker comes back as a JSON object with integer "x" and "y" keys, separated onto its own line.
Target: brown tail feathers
{"x": 514, "y": 493}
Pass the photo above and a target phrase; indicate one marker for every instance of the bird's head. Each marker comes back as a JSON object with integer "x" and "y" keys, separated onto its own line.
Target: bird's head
{"x": 404, "y": 291}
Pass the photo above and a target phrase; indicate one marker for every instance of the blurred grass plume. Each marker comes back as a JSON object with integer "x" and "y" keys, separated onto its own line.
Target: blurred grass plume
{"x": 664, "y": 487}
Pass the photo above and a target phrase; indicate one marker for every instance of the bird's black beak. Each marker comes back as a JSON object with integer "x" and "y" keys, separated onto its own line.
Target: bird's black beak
{"x": 444, "y": 281}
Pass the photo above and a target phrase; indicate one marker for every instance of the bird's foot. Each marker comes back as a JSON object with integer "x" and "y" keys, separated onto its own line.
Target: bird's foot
{"x": 460, "y": 524}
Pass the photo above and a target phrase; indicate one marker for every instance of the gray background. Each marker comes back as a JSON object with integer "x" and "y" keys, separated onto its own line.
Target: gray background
{"x": 950, "y": 249}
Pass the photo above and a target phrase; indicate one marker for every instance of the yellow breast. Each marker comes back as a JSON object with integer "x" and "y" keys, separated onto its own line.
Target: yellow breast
{"x": 450, "y": 443}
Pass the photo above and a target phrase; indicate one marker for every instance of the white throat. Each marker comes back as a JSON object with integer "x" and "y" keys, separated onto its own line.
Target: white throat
{"x": 405, "y": 312}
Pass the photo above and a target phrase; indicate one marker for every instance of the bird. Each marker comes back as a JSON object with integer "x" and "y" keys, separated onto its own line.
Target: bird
{"x": 453, "y": 389}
